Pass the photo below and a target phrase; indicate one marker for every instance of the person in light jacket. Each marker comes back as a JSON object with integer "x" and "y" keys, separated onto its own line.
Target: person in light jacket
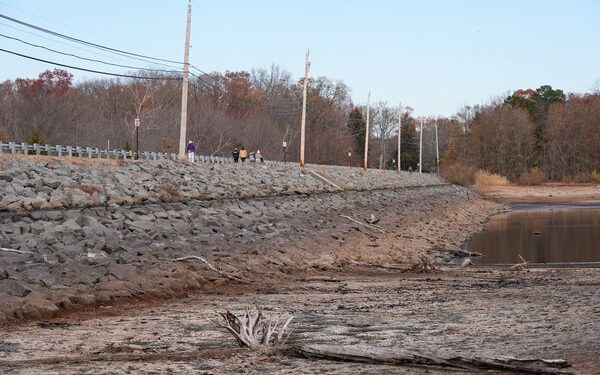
{"x": 243, "y": 154}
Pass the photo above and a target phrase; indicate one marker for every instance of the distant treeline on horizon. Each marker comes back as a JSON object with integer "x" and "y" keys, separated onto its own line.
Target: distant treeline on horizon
{"x": 534, "y": 132}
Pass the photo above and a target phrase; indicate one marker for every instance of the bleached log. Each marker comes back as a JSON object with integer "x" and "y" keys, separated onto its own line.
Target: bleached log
{"x": 520, "y": 266}
{"x": 363, "y": 224}
{"x": 399, "y": 357}
{"x": 16, "y": 251}
{"x": 210, "y": 266}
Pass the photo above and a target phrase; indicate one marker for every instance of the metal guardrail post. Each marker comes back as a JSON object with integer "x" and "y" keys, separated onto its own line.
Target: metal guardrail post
{"x": 70, "y": 151}
{"x": 59, "y": 150}
{"x": 48, "y": 149}
{"x": 24, "y": 148}
{"x": 13, "y": 148}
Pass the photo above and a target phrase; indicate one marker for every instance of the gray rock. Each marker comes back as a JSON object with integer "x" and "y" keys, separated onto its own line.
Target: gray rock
{"x": 37, "y": 306}
{"x": 53, "y": 184}
{"x": 14, "y": 288}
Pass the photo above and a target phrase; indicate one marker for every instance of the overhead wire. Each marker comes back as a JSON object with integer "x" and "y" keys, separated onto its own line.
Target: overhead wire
{"x": 133, "y": 55}
{"x": 87, "y": 59}
{"x": 130, "y": 55}
{"x": 82, "y": 48}
{"x": 90, "y": 70}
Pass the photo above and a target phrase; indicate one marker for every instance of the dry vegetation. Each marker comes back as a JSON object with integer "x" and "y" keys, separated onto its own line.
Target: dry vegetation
{"x": 483, "y": 178}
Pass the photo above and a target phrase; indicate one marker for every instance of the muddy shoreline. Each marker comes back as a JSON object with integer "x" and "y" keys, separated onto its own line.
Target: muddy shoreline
{"x": 487, "y": 312}
{"x": 316, "y": 267}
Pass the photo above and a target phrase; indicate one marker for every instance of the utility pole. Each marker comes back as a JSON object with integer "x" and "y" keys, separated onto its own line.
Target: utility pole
{"x": 184, "y": 90}
{"x": 399, "y": 140}
{"x": 437, "y": 149}
{"x": 304, "y": 98}
{"x": 421, "y": 149}
{"x": 137, "y": 138}
{"x": 367, "y": 131}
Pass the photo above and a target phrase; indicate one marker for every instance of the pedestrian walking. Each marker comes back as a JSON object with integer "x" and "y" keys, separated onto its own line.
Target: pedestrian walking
{"x": 191, "y": 152}
{"x": 252, "y": 157}
{"x": 243, "y": 154}
{"x": 236, "y": 155}
{"x": 259, "y": 157}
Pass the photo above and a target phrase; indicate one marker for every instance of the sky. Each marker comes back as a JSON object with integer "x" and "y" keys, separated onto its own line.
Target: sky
{"x": 433, "y": 55}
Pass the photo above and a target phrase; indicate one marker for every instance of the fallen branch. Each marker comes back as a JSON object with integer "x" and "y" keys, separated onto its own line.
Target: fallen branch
{"x": 398, "y": 357}
{"x": 254, "y": 330}
{"x": 173, "y": 356}
{"x": 210, "y": 266}
{"x": 17, "y": 251}
{"x": 374, "y": 227}
{"x": 520, "y": 266}
{"x": 373, "y": 265}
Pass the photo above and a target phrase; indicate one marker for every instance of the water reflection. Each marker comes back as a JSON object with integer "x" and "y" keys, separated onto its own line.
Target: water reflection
{"x": 541, "y": 234}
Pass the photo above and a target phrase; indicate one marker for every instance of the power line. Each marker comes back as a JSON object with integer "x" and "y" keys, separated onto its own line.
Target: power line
{"x": 91, "y": 70}
{"x": 82, "y": 48}
{"x": 85, "y": 58}
{"x": 81, "y": 41}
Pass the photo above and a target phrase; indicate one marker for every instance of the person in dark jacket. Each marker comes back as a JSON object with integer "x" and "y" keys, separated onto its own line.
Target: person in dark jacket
{"x": 190, "y": 150}
{"x": 236, "y": 155}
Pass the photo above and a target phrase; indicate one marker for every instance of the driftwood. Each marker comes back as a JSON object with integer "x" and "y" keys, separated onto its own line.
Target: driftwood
{"x": 211, "y": 267}
{"x": 467, "y": 262}
{"x": 370, "y": 226}
{"x": 16, "y": 251}
{"x": 399, "y": 357}
{"x": 255, "y": 331}
{"x": 373, "y": 265}
{"x": 520, "y": 266}
{"x": 424, "y": 266}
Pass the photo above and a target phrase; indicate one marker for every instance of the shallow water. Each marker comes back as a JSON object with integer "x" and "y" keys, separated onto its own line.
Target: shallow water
{"x": 547, "y": 234}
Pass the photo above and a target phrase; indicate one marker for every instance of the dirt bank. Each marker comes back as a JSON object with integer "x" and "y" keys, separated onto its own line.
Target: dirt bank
{"x": 74, "y": 258}
{"x": 572, "y": 194}
{"x": 485, "y": 312}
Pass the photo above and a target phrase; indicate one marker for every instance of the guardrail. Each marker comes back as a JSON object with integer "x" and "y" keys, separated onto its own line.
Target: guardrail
{"x": 98, "y": 153}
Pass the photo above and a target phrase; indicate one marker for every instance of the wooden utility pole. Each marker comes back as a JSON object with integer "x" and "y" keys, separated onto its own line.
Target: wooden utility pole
{"x": 399, "y": 140}
{"x": 304, "y": 98}
{"x": 137, "y": 138}
{"x": 366, "y": 164}
{"x": 421, "y": 149}
{"x": 437, "y": 149}
{"x": 184, "y": 90}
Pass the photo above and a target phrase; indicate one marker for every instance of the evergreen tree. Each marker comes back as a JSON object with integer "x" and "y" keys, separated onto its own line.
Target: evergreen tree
{"x": 410, "y": 149}
{"x": 358, "y": 128}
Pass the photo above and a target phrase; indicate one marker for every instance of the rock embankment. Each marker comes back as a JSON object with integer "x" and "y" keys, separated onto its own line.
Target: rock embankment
{"x": 31, "y": 183}
{"x": 64, "y": 258}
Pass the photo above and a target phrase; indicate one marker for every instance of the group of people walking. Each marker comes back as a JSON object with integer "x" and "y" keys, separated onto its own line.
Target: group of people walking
{"x": 242, "y": 155}
{"x": 238, "y": 155}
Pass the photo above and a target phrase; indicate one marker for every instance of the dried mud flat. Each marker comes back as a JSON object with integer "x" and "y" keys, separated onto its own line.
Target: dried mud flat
{"x": 541, "y": 313}
{"x": 550, "y": 193}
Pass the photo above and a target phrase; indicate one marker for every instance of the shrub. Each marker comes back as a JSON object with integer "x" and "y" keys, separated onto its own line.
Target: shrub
{"x": 459, "y": 174}
{"x": 535, "y": 176}
{"x": 595, "y": 177}
{"x": 485, "y": 178}
{"x": 567, "y": 179}
{"x": 582, "y": 178}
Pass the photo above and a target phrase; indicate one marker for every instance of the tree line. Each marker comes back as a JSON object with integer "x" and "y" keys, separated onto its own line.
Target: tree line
{"x": 540, "y": 131}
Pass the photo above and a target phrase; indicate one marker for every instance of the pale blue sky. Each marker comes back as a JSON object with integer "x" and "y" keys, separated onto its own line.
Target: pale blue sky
{"x": 433, "y": 55}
